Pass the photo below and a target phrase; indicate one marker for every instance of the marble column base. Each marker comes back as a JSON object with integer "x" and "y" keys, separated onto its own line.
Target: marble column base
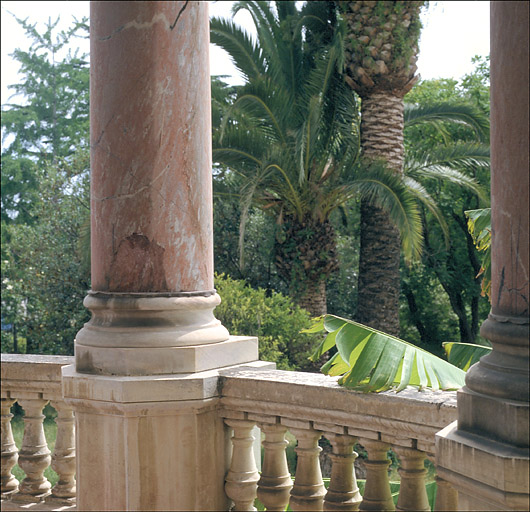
{"x": 149, "y": 443}
{"x": 488, "y": 475}
{"x": 153, "y": 334}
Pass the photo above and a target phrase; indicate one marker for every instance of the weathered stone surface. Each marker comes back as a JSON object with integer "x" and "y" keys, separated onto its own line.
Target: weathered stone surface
{"x": 32, "y": 375}
{"x": 488, "y": 475}
{"x": 300, "y": 398}
{"x": 143, "y": 389}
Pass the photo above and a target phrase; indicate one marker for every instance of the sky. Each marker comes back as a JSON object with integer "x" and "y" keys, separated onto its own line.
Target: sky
{"x": 453, "y": 33}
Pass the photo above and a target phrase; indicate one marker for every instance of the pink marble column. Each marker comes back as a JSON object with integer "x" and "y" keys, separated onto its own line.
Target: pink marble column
{"x": 150, "y": 148}
{"x": 152, "y": 296}
{"x": 495, "y": 401}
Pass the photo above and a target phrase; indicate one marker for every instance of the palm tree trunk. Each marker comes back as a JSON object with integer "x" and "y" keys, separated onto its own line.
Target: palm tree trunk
{"x": 378, "y": 287}
{"x": 305, "y": 256}
{"x": 314, "y": 298}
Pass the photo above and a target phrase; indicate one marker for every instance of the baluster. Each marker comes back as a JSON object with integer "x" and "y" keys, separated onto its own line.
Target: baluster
{"x": 34, "y": 456}
{"x": 9, "y": 450}
{"x": 377, "y": 495}
{"x": 63, "y": 458}
{"x": 343, "y": 493}
{"x": 242, "y": 478}
{"x": 446, "y": 496}
{"x": 308, "y": 491}
{"x": 275, "y": 482}
{"x": 412, "y": 492}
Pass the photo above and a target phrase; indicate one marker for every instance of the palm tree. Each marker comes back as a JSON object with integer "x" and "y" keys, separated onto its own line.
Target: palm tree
{"x": 291, "y": 135}
{"x": 381, "y": 49}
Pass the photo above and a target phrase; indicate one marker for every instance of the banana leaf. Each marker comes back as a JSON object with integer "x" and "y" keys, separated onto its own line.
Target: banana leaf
{"x": 479, "y": 227}
{"x": 464, "y": 355}
{"x": 370, "y": 360}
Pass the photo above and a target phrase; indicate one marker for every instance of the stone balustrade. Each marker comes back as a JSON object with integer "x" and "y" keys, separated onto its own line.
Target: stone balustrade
{"x": 309, "y": 406}
{"x": 35, "y": 381}
{"x": 312, "y": 406}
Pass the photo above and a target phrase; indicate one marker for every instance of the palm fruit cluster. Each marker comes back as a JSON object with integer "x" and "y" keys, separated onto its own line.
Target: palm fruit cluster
{"x": 381, "y": 45}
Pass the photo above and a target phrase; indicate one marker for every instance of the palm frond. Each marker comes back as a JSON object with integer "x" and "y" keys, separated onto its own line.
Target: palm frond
{"x": 245, "y": 54}
{"x": 370, "y": 360}
{"x": 479, "y": 227}
{"x": 259, "y": 108}
{"x": 248, "y": 192}
{"x": 437, "y": 114}
{"x": 421, "y": 194}
{"x": 268, "y": 33}
{"x": 388, "y": 191}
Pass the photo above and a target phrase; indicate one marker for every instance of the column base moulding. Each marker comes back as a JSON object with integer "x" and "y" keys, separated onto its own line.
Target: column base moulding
{"x": 488, "y": 475}
{"x": 147, "y": 334}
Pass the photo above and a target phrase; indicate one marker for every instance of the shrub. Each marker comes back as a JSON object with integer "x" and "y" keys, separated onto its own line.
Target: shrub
{"x": 274, "y": 319}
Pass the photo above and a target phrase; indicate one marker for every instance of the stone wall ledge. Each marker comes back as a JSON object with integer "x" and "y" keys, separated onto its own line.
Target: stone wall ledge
{"x": 32, "y": 375}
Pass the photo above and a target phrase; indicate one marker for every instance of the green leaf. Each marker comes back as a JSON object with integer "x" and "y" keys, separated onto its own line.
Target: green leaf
{"x": 464, "y": 355}
{"x": 406, "y": 369}
{"x": 327, "y": 343}
{"x": 370, "y": 360}
{"x": 363, "y": 365}
{"x": 332, "y": 323}
{"x": 335, "y": 366}
{"x": 316, "y": 326}
{"x": 479, "y": 227}
{"x": 348, "y": 338}
{"x": 386, "y": 368}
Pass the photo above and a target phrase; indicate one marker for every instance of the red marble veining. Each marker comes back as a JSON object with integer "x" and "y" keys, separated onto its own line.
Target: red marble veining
{"x": 151, "y": 147}
{"x": 509, "y": 158}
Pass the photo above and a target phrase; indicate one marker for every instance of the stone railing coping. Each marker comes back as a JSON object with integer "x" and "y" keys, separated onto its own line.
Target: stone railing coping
{"x": 409, "y": 418}
{"x": 32, "y": 375}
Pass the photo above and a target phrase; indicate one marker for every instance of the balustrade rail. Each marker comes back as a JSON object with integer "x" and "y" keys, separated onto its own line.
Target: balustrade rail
{"x": 313, "y": 405}
{"x": 34, "y": 381}
{"x": 310, "y": 406}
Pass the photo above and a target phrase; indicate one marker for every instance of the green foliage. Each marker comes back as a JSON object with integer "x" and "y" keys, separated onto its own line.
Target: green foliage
{"x": 43, "y": 280}
{"x": 476, "y": 84}
{"x": 370, "y": 360}
{"x": 441, "y": 295}
{"x": 479, "y": 227}
{"x": 464, "y": 355}
{"x": 274, "y": 319}
{"x": 50, "y": 121}
{"x": 289, "y": 140}
{"x": 45, "y": 193}
{"x": 53, "y": 121}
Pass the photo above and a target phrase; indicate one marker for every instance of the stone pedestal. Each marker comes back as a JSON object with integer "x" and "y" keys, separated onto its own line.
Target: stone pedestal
{"x": 487, "y": 474}
{"x": 147, "y": 443}
{"x": 485, "y": 455}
